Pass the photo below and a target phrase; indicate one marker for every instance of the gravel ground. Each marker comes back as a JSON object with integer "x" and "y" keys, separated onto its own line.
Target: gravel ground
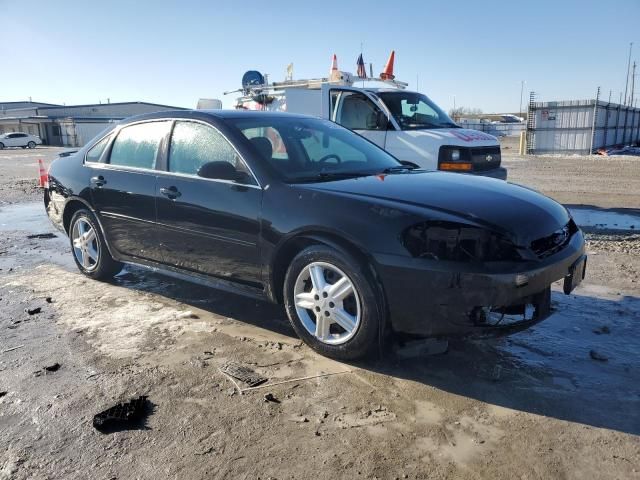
{"x": 607, "y": 182}
{"x": 19, "y": 172}
{"x": 561, "y": 400}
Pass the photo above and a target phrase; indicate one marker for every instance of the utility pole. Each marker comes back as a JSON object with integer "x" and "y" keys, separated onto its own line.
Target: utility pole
{"x": 626, "y": 83}
{"x": 593, "y": 125}
{"x": 633, "y": 85}
{"x": 521, "y": 92}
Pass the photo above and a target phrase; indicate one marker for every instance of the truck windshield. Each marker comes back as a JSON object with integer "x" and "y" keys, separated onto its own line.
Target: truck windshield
{"x": 308, "y": 149}
{"x": 414, "y": 111}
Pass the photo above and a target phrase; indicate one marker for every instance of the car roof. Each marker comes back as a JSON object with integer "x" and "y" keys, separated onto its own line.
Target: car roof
{"x": 219, "y": 114}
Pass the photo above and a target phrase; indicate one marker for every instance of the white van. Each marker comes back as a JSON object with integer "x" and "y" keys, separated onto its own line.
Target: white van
{"x": 406, "y": 124}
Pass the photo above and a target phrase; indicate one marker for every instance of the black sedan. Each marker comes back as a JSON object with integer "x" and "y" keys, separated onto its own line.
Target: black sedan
{"x": 301, "y": 211}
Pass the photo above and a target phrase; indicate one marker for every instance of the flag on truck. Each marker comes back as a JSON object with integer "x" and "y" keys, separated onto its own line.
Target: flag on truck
{"x": 362, "y": 71}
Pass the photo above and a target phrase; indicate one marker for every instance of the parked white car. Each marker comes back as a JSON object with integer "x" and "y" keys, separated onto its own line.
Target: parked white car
{"x": 19, "y": 139}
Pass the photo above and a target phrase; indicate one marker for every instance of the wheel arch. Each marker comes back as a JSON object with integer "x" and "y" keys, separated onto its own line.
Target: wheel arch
{"x": 285, "y": 253}
{"x": 71, "y": 206}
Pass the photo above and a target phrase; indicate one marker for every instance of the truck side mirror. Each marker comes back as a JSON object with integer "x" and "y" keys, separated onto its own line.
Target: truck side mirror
{"x": 378, "y": 121}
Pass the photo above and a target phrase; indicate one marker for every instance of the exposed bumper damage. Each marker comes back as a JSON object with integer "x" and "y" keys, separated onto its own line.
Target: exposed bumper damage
{"x": 439, "y": 298}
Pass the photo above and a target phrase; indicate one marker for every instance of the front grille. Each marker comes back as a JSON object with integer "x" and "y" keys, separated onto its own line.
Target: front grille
{"x": 485, "y": 158}
{"x": 546, "y": 246}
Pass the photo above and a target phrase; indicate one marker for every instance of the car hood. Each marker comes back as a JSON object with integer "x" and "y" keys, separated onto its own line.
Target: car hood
{"x": 523, "y": 214}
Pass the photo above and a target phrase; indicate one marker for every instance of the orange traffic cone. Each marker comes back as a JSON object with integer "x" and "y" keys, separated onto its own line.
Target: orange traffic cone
{"x": 43, "y": 174}
{"x": 387, "y": 74}
{"x": 334, "y": 67}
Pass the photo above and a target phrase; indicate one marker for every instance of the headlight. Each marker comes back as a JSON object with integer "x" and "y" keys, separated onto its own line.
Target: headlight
{"x": 457, "y": 242}
{"x": 455, "y": 159}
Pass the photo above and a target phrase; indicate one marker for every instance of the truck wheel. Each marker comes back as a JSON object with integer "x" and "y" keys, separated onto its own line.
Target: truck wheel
{"x": 89, "y": 248}
{"x": 333, "y": 303}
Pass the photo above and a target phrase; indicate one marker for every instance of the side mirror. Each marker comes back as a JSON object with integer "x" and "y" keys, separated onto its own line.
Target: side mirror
{"x": 378, "y": 121}
{"x": 221, "y": 171}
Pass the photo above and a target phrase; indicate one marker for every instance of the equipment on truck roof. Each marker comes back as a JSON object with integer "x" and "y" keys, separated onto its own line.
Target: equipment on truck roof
{"x": 257, "y": 91}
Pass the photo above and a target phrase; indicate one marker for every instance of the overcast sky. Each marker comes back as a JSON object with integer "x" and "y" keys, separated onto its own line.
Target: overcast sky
{"x": 176, "y": 52}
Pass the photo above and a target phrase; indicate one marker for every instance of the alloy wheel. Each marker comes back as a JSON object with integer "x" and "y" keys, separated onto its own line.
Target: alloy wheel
{"x": 85, "y": 244}
{"x": 327, "y": 303}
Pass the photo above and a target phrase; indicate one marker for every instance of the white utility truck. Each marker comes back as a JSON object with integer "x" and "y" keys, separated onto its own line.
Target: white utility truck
{"x": 407, "y": 124}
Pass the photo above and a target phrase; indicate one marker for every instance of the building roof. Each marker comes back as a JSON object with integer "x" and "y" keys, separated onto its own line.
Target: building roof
{"x": 113, "y": 103}
{"x": 25, "y": 104}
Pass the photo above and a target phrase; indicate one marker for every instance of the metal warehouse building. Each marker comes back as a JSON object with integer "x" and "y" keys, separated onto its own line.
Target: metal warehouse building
{"x": 580, "y": 126}
{"x": 69, "y": 126}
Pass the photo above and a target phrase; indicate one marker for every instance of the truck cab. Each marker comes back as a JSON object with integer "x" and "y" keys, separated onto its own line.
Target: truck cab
{"x": 413, "y": 129}
{"x": 407, "y": 124}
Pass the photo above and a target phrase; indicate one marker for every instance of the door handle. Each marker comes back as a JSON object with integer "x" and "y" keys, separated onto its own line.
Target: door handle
{"x": 171, "y": 192}
{"x": 98, "y": 181}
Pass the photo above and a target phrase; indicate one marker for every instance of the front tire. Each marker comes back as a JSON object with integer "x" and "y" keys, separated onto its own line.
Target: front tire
{"x": 31, "y": 144}
{"x": 1, "y": 146}
{"x": 333, "y": 303}
{"x": 89, "y": 248}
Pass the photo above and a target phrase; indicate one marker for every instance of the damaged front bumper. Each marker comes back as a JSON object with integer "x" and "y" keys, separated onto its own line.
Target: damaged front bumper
{"x": 435, "y": 298}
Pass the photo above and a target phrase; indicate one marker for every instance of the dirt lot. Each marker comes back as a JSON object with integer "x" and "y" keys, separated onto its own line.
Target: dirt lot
{"x": 533, "y": 405}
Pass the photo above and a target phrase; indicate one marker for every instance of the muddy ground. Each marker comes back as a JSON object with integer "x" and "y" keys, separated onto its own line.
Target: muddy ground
{"x": 561, "y": 400}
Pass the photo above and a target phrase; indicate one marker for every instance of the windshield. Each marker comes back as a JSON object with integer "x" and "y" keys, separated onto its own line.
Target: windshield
{"x": 414, "y": 111}
{"x": 308, "y": 149}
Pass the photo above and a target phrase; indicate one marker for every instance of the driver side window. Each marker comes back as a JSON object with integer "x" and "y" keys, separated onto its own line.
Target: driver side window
{"x": 357, "y": 112}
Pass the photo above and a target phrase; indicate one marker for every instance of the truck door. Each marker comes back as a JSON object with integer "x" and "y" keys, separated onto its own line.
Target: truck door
{"x": 354, "y": 110}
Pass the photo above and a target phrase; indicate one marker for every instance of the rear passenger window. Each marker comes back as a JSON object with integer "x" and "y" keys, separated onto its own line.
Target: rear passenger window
{"x": 94, "y": 154}
{"x": 137, "y": 146}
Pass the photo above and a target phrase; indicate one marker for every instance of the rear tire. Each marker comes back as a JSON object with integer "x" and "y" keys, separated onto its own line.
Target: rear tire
{"x": 1, "y": 145}
{"x": 329, "y": 286}
{"x": 89, "y": 248}
{"x": 31, "y": 144}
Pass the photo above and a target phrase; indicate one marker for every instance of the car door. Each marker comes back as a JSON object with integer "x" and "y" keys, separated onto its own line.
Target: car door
{"x": 356, "y": 111}
{"x": 208, "y": 225}
{"x": 12, "y": 140}
{"x": 123, "y": 187}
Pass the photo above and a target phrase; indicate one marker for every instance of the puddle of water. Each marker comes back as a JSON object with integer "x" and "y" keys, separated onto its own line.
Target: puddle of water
{"x": 605, "y": 219}
{"x": 561, "y": 345}
{"x": 29, "y": 217}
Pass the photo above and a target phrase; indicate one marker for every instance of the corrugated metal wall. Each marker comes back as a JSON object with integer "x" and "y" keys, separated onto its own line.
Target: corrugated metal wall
{"x": 115, "y": 110}
{"x": 86, "y": 131}
{"x": 569, "y": 127}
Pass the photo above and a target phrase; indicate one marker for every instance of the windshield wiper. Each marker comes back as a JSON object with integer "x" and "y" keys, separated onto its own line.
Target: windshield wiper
{"x": 431, "y": 125}
{"x": 398, "y": 168}
{"x": 327, "y": 176}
